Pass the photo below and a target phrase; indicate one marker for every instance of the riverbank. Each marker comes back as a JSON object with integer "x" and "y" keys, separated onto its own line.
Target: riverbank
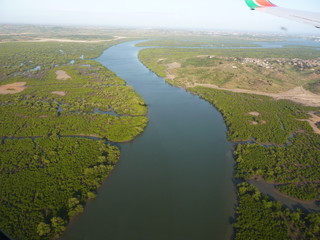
{"x": 290, "y": 202}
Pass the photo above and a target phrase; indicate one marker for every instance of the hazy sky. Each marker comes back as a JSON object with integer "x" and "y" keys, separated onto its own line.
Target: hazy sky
{"x": 203, "y": 14}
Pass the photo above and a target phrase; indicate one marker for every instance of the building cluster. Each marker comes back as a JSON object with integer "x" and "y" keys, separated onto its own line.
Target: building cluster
{"x": 300, "y": 64}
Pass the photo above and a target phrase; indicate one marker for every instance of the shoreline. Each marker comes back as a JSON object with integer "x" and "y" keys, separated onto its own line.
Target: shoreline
{"x": 290, "y": 202}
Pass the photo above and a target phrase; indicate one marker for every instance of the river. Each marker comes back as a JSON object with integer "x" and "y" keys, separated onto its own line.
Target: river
{"x": 174, "y": 181}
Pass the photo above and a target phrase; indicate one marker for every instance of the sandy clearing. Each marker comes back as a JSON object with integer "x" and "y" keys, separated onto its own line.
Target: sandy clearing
{"x": 12, "y": 88}
{"x": 66, "y": 40}
{"x": 173, "y": 65}
{"x": 71, "y": 40}
{"x": 170, "y": 76}
{"x": 161, "y": 59}
{"x": 61, "y": 93}
{"x": 61, "y": 40}
{"x": 206, "y": 56}
{"x": 117, "y": 38}
{"x": 297, "y": 94}
{"x": 254, "y": 114}
{"x": 312, "y": 121}
{"x": 62, "y": 75}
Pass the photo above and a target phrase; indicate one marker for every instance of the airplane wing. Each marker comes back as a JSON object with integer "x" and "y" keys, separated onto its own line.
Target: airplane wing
{"x": 300, "y": 16}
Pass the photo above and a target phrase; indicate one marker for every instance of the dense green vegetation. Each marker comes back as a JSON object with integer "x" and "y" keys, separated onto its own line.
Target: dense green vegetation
{"x": 47, "y": 170}
{"x": 46, "y": 181}
{"x": 296, "y": 166}
{"x": 260, "y": 218}
{"x": 19, "y": 58}
{"x": 37, "y": 111}
{"x": 258, "y": 117}
{"x": 286, "y": 151}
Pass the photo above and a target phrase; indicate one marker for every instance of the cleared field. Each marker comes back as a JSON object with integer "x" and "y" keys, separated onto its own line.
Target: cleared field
{"x": 269, "y": 71}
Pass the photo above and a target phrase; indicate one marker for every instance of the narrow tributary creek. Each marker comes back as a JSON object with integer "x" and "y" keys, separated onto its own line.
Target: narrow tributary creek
{"x": 172, "y": 182}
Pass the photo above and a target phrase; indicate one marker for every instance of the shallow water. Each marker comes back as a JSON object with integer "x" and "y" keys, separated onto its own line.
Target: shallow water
{"x": 294, "y": 204}
{"x": 172, "y": 182}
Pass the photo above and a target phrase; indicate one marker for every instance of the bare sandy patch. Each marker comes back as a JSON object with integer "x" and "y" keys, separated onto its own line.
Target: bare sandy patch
{"x": 160, "y": 60}
{"x": 313, "y": 121}
{"x": 173, "y": 65}
{"x": 60, "y": 93}
{"x": 300, "y": 95}
{"x": 297, "y": 94}
{"x": 253, "y": 123}
{"x": 254, "y": 114}
{"x": 205, "y": 56}
{"x": 62, "y": 75}
{"x": 72, "y": 40}
{"x": 12, "y": 88}
{"x": 65, "y": 40}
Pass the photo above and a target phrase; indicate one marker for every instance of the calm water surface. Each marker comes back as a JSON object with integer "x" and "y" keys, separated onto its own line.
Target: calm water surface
{"x": 175, "y": 180}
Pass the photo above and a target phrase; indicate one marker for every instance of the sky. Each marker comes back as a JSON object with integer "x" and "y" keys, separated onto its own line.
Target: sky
{"x": 187, "y": 14}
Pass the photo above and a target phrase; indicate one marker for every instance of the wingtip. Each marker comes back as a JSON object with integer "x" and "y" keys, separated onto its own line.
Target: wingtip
{"x": 253, "y": 4}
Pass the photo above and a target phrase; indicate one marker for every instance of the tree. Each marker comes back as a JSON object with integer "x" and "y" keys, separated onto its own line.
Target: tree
{"x": 72, "y": 202}
{"x": 43, "y": 229}
{"x": 57, "y": 224}
{"x": 74, "y": 207}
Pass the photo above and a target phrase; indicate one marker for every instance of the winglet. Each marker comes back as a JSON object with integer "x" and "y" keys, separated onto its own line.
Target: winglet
{"x": 253, "y": 4}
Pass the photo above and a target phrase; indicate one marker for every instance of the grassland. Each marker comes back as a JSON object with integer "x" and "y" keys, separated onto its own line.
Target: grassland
{"x": 264, "y": 70}
{"x": 273, "y": 141}
{"x": 51, "y": 98}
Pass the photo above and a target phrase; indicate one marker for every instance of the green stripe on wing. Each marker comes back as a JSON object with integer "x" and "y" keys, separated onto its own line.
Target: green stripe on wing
{"x": 251, "y": 4}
